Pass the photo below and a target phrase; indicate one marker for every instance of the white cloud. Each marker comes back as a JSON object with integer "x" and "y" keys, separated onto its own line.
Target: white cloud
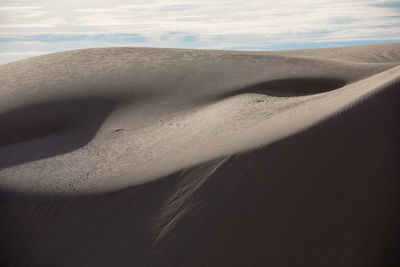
{"x": 215, "y": 24}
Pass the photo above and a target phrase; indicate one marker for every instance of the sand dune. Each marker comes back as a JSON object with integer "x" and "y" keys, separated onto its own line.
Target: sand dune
{"x": 169, "y": 157}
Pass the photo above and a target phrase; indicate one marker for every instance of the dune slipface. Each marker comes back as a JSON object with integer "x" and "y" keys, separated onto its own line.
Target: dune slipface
{"x": 170, "y": 157}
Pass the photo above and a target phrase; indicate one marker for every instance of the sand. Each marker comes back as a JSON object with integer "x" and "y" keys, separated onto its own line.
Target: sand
{"x": 173, "y": 157}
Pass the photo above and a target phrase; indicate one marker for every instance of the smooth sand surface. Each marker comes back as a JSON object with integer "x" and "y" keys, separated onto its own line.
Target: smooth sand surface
{"x": 172, "y": 157}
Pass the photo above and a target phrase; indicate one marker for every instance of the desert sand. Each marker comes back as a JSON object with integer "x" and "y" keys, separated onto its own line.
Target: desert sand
{"x": 175, "y": 157}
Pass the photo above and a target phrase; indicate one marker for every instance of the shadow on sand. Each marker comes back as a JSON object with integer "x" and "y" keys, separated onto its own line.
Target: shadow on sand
{"x": 291, "y": 87}
{"x": 47, "y": 129}
{"x": 328, "y": 196}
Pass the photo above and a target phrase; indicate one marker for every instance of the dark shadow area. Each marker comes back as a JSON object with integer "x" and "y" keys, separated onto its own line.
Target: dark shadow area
{"x": 47, "y": 129}
{"x": 328, "y": 196}
{"x": 291, "y": 87}
{"x": 113, "y": 229}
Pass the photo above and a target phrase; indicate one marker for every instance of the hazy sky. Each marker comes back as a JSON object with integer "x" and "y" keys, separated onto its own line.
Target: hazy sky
{"x": 29, "y": 28}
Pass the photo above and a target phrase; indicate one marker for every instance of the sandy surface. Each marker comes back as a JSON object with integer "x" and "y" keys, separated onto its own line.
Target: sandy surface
{"x": 169, "y": 157}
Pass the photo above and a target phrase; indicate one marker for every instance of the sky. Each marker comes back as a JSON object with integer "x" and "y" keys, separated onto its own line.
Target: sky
{"x": 35, "y": 27}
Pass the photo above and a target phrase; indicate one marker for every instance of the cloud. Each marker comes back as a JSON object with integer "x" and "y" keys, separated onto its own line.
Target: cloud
{"x": 55, "y": 38}
{"x": 255, "y": 24}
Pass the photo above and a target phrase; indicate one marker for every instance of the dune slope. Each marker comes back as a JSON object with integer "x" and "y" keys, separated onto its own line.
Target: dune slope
{"x": 213, "y": 158}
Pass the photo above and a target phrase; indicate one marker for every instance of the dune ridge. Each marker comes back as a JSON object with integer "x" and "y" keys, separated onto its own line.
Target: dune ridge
{"x": 171, "y": 104}
{"x": 206, "y": 166}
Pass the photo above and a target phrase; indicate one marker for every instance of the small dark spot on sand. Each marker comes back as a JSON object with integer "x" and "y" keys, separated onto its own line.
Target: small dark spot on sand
{"x": 118, "y": 130}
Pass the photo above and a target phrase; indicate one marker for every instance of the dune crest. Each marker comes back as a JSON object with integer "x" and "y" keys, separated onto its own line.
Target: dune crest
{"x": 225, "y": 103}
{"x": 173, "y": 157}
